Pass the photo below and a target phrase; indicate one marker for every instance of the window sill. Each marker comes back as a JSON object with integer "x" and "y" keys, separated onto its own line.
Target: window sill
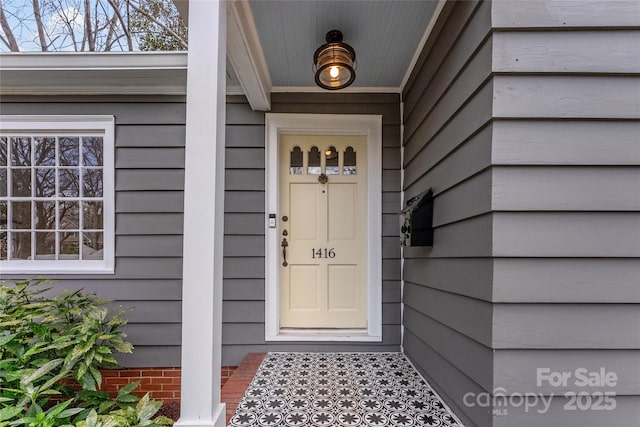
{"x": 54, "y": 267}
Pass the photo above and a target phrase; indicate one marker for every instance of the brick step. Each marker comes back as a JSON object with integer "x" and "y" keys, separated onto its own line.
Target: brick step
{"x": 237, "y": 384}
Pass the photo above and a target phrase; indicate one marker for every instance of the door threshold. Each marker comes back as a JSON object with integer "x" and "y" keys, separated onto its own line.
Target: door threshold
{"x": 307, "y": 334}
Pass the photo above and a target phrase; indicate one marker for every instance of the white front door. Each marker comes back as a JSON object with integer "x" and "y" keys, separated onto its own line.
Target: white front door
{"x": 323, "y": 231}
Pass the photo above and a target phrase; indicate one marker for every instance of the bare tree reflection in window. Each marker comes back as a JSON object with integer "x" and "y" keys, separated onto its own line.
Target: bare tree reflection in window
{"x": 314, "y": 167}
{"x": 4, "y": 244}
{"x": 296, "y": 166}
{"x": 3, "y": 169}
{"x": 3, "y": 151}
{"x": 45, "y": 220}
{"x": 21, "y": 182}
{"x": 3, "y": 182}
{"x": 20, "y": 245}
{"x": 21, "y": 163}
{"x": 20, "y": 220}
{"x": 45, "y": 215}
{"x": 69, "y": 248}
{"x": 69, "y": 215}
{"x": 331, "y": 161}
{"x": 92, "y": 183}
{"x": 92, "y": 215}
{"x": 92, "y": 151}
{"x": 45, "y": 151}
{"x": 69, "y": 182}
{"x": 45, "y": 245}
{"x": 69, "y": 151}
{"x": 350, "y": 167}
{"x": 45, "y": 185}
{"x": 20, "y": 215}
{"x": 21, "y": 151}
{"x": 93, "y": 220}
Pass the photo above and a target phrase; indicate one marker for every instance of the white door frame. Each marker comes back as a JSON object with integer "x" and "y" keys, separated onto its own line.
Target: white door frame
{"x": 325, "y": 124}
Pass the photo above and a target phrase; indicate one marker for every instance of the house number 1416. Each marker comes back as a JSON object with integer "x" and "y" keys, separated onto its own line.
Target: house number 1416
{"x": 323, "y": 253}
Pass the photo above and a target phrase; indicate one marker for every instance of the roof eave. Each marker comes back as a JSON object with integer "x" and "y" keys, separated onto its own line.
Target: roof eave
{"x": 81, "y": 73}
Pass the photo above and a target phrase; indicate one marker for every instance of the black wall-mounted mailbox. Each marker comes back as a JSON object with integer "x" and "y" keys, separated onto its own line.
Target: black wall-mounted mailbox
{"x": 416, "y": 221}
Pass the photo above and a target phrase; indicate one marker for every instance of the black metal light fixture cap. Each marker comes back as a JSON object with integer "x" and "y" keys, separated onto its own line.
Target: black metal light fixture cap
{"x": 334, "y": 63}
{"x": 334, "y": 36}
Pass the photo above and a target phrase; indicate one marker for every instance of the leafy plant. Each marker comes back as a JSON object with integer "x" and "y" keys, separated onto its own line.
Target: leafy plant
{"x": 44, "y": 340}
{"x": 55, "y": 416}
{"x": 130, "y": 416}
{"x": 102, "y": 403}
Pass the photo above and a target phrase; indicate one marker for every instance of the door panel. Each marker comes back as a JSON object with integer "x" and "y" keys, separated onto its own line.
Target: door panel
{"x": 305, "y": 293}
{"x": 303, "y": 212}
{"x": 322, "y": 226}
{"x": 343, "y": 294}
{"x": 342, "y": 199}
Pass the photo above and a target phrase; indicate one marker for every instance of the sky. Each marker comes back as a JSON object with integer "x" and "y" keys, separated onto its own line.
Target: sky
{"x": 19, "y": 15}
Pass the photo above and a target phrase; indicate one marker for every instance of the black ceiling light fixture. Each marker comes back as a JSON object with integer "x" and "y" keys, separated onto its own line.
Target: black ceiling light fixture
{"x": 334, "y": 63}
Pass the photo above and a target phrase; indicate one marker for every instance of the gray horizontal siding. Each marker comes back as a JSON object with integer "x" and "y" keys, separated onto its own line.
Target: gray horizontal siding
{"x": 566, "y": 52}
{"x": 472, "y": 317}
{"x": 529, "y": 137}
{"x": 152, "y": 356}
{"x": 463, "y": 239}
{"x": 149, "y": 179}
{"x": 566, "y": 142}
{"x": 154, "y": 136}
{"x": 149, "y": 246}
{"x": 149, "y": 175}
{"x": 244, "y": 244}
{"x": 128, "y": 111}
{"x": 516, "y": 369}
{"x": 566, "y": 234}
{"x": 472, "y": 277}
{"x": 610, "y": 188}
{"x": 130, "y": 290}
{"x": 446, "y": 379}
{"x": 447, "y": 48}
{"x": 447, "y": 146}
{"x": 150, "y": 158}
{"x": 562, "y": 326}
{"x": 625, "y": 414}
{"x": 456, "y": 347}
{"x": 437, "y": 165}
{"x": 565, "y": 15}
{"x": 149, "y": 223}
{"x": 560, "y": 96}
{"x": 566, "y": 201}
{"x": 566, "y": 280}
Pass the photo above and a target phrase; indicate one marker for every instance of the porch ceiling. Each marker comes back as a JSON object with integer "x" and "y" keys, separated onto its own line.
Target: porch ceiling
{"x": 384, "y": 34}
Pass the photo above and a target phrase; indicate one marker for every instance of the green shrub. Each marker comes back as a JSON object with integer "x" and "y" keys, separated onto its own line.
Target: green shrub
{"x": 44, "y": 339}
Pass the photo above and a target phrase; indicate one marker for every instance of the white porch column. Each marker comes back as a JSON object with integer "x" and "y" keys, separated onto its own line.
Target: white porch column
{"x": 203, "y": 216}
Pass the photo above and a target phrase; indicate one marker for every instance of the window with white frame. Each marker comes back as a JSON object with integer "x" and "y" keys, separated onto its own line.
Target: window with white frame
{"x": 56, "y": 194}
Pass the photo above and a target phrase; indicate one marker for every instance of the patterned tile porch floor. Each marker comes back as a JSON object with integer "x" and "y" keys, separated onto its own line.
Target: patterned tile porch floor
{"x": 340, "y": 389}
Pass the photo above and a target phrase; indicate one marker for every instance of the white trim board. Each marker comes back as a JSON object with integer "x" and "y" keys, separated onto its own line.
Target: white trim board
{"x": 103, "y": 73}
{"x": 350, "y": 89}
{"x": 326, "y": 124}
{"x": 245, "y": 55}
{"x": 423, "y": 41}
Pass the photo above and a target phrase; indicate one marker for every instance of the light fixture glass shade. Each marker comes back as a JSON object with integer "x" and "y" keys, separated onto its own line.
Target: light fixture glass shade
{"x": 334, "y": 63}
